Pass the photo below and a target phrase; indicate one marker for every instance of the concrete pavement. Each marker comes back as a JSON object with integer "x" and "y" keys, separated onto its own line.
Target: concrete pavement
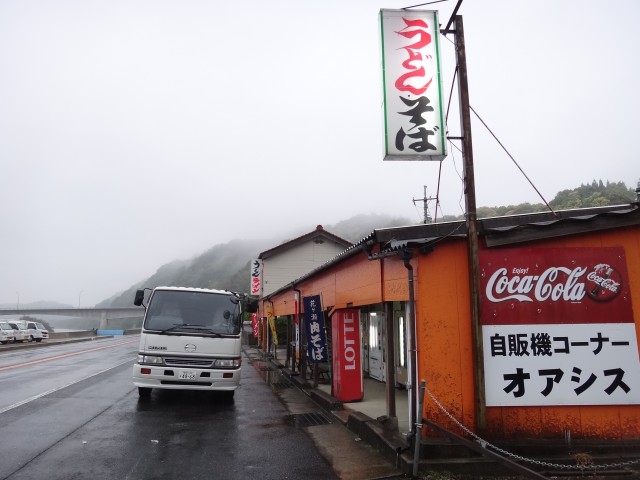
{"x": 350, "y": 455}
{"x": 455, "y": 458}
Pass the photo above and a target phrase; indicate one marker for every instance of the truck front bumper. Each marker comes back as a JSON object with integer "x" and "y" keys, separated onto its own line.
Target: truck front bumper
{"x": 151, "y": 376}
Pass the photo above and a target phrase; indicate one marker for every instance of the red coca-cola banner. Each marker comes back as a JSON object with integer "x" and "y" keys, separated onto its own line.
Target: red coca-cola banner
{"x": 554, "y": 286}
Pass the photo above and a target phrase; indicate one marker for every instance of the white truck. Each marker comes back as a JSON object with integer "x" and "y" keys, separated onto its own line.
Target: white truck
{"x": 190, "y": 339}
{"x": 35, "y": 330}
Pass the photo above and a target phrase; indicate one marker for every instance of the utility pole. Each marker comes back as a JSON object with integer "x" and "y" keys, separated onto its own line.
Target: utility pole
{"x": 472, "y": 227}
{"x": 424, "y": 200}
{"x": 471, "y": 218}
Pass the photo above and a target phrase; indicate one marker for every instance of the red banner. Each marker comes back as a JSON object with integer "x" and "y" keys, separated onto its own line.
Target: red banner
{"x": 347, "y": 371}
{"x": 255, "y": 325}
{"x": 554, "y": 286}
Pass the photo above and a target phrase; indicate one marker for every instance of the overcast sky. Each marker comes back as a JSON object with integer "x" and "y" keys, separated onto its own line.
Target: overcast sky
{"x": 137, "y": 132}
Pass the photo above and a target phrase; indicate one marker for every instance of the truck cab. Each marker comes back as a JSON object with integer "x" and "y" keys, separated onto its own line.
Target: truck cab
{"x": 190, "y": 339}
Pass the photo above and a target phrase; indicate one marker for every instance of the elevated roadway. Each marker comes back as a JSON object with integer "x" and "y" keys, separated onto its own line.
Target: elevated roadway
{"x": 91, "y": 318}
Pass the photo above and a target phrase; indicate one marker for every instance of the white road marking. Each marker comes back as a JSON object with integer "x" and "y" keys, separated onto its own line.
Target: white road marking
{"x": 40, "y": 395}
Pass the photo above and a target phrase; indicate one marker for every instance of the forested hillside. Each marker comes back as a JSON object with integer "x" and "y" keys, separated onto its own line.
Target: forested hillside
{"x": 226, "y": 266}
{"x": 595, "y": 194}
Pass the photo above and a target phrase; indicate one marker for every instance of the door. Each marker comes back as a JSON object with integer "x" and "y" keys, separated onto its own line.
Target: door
{"x": 376, "y": 354}
{"x": 401, "y": 347}
{"x": 364, "y": 328}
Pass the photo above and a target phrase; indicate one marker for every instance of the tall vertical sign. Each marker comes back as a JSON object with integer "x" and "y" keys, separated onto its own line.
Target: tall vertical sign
{"x": 271, "y": 320}
{"x": 314, "y": 328}
{"x": 412, "y": 91}
{"x": 256, "y": 277}
{"x": 348, "y": 384}
{"x": 255, "y": 325}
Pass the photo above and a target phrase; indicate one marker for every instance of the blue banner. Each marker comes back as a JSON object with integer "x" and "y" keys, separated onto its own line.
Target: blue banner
{"x": 314, "y": 328}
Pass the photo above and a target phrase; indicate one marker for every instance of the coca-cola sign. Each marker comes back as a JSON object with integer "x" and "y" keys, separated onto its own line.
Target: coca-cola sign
{"x": 604, "y": 283}
{"x": 555, "y": 285}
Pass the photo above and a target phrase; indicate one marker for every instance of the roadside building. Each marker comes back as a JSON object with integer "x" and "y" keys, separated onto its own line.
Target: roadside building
{"x": 557, "y": 349}
{"x": 282, "y": 264}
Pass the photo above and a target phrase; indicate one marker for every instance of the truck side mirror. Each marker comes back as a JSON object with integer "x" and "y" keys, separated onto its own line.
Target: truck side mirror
{"x": 137, "y": 301}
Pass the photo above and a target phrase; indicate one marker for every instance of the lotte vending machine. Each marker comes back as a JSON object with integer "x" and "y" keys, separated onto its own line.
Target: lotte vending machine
{"x": 348, "y": 384}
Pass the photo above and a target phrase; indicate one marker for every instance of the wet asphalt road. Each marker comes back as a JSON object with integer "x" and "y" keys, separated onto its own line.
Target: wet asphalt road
{"x": 71, "y": 412}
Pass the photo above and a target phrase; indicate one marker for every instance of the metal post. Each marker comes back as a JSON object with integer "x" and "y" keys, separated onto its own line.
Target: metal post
{"x": 391, "y": 362}
{"x": 418, "y": 437}
{"x": 412, "y": 385}
{"x": 288, "y": 342}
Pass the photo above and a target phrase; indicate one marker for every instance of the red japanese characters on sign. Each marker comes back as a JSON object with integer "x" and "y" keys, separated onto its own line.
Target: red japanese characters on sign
{"x": 414, "y": 121}
{"x": 255, "y": 325}
{"x": 256, "y": 277}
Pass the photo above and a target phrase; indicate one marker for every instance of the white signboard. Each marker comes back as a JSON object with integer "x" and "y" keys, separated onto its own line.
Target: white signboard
{"x": 584, "y": 364}
{"x": 256, "y": 277}
{"x": 412, "y": 93}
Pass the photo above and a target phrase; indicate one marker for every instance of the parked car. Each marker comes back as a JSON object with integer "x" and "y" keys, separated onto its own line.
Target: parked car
{"x": 35, "y": 330}
{"x": 20, "y": 334}
{"x": 6, "y": 333}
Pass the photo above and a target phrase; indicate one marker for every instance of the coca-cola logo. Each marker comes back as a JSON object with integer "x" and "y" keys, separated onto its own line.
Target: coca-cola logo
{"x": 603, "y": 283}
{"x": 553, "y": 284}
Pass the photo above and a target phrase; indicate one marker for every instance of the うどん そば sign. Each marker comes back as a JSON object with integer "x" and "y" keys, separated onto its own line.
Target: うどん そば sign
{"x": 412, "y": 90}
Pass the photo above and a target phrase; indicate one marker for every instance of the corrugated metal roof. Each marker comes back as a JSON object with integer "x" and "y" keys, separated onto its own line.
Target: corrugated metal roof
{"x": 561, "y": 227}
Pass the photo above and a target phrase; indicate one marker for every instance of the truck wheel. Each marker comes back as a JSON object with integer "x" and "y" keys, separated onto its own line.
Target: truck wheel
{"x": 227, "y": 396}
{"x": 38, "y": 339}
{"x": 144, "y": 392}
{"x": 30, "y": 338}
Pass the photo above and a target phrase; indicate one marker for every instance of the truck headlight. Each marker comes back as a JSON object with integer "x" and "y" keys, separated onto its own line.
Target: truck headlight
{"x": 227, "y": 363}
{"x": 150, "y": 360}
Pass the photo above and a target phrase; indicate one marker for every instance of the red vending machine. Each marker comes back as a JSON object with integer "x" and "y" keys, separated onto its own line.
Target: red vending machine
{"x": 347, "y": 369}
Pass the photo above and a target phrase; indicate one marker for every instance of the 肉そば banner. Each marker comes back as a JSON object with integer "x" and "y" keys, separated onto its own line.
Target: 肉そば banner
{"x": 412, "y": 90}
{"x": 314, "y": 328}
{"x": 558, "y": 327}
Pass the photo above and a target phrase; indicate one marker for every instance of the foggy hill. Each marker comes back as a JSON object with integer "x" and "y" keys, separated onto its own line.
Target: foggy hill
{"x": 226, "y": 266}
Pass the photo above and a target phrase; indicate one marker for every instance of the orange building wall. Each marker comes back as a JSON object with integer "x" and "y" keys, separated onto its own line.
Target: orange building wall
{"x": 355, "y": 281}
{"x": 446, "y": 358}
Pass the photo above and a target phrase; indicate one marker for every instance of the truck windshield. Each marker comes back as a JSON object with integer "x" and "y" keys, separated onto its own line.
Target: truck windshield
{"x": 198, "y": 313}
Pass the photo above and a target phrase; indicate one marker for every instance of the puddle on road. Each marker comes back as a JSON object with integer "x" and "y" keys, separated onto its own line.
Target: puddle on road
{"x": 272, "y": 376}
{"x": 278, "y": 381}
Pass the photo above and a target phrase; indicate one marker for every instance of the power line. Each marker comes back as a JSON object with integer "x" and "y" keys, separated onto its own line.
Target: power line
{"x": 514, "y": 161}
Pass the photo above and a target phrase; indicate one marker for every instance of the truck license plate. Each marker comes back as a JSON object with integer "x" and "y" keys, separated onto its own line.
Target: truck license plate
{"x": 186, "y": 375}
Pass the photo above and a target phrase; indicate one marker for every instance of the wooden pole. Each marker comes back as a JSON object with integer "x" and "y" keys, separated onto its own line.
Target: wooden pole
{"x": 472, "y": 228}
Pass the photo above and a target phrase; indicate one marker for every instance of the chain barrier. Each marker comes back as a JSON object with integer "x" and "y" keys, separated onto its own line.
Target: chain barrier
{"x": 520, "y": 458}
